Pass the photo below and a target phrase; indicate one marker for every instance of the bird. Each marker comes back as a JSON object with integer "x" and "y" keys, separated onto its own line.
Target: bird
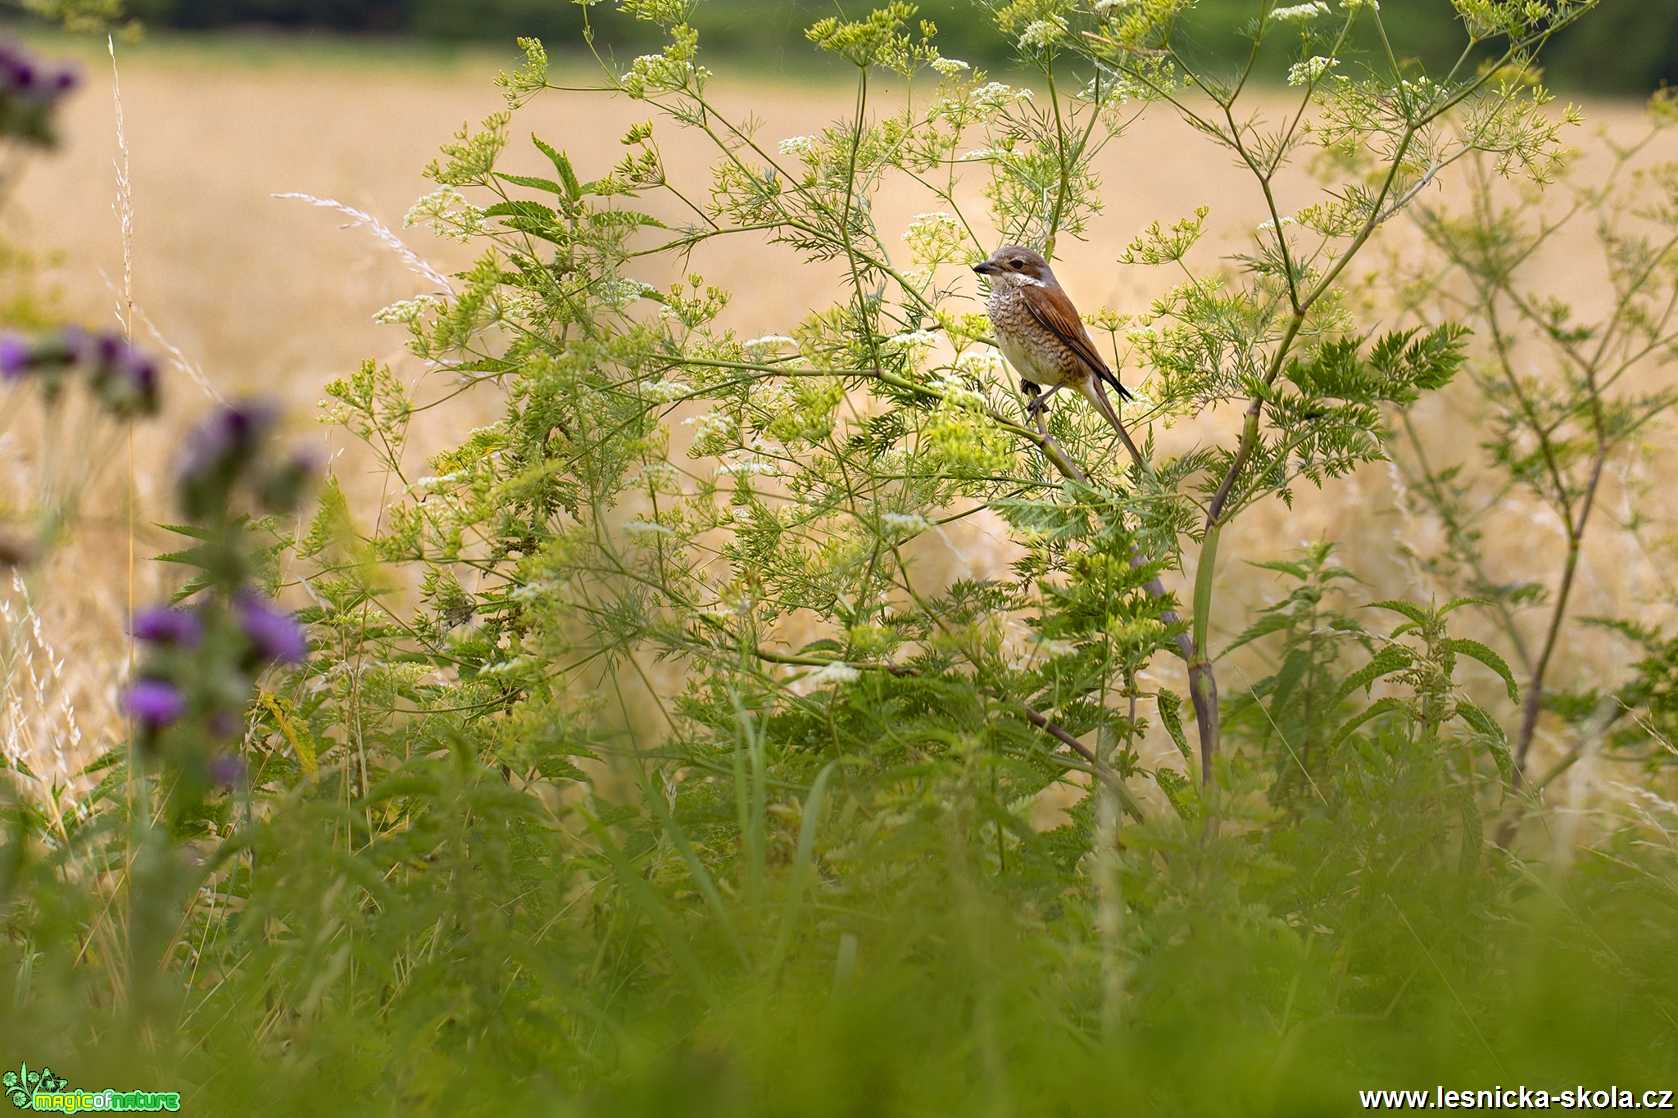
{"x": 1040, "y": 333}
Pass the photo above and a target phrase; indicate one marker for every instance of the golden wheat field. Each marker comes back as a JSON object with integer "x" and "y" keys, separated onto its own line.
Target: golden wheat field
{"x": 255, "y": 294}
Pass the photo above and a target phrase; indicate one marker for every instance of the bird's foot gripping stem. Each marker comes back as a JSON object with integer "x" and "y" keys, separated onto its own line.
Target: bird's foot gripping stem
{"x": 1037, "y": 401}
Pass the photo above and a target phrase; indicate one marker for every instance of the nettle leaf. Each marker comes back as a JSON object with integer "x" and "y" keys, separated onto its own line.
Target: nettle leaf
{"x": 1171, "y": 717}
{"x": 532, "y": 183}
{"x": 1408, "y": 609}
{"x": 1491, "y": 735}
{"x": 562, "y": 164}
{"x": 1391, "y": 658}
{"x": 1388, "y": 705}
{"x": 530, "y": 211}
{"x": 1264, "y": 626}
{"x": 1477, "y": 651}
{"x": 1180, "y": 793}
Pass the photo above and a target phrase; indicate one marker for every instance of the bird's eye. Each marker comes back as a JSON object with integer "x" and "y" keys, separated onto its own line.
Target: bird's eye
{"x": 1018, "y": 263}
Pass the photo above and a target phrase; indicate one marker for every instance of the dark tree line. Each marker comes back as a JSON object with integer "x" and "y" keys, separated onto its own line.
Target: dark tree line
{"x": 1629, "y": 46}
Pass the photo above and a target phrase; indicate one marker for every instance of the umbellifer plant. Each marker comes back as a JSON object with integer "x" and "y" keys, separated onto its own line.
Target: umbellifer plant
{"x": 570, "y": 544}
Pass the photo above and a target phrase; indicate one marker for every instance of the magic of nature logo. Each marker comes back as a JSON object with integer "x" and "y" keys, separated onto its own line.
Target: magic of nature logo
{"x": 38, "y": 1089}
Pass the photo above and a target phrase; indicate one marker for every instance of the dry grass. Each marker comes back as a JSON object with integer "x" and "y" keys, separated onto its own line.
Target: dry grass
{"x": 269, "y": 296}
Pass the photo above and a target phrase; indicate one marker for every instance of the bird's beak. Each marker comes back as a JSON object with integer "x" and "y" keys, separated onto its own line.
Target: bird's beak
{"x": 985, "y": 268}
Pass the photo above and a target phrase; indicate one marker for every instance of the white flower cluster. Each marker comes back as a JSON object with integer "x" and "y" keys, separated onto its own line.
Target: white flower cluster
{"x": 1298, "y": 13}
{"x": 958, "y": 395}
{"x": 1361, "y": 5}
{"x": 664, "y": 391}
{"x": 1042, "y": 33}
{"x": 834, "y": 674}
{"x": 910, "y": 339}
{"x": 619, "y": 293}
{"x": 713, "y": 432}
{"x": 984, "y": 155}
{"x": 749, "y": 467}
{"x": 797, "y": 145}
{"x": 445, "y": 213}
{"x": 769, "y": 345}
{"x": 406, "y": 312}
{"x": 950, "y": 67}
{"x": 1102, "y": 7}
{"x": 652, "y": 72}
{"x": 1307, "y": 72}
{"x": 994, "y": 95}
{"x": 934, "y": 238}
{"x": 904, "y": 522}
{"x": 982, "y": 363}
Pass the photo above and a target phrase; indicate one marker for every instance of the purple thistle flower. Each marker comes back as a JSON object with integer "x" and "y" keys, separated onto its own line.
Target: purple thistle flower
{"x": 66, "y": 80}
{"x": 124, "y": 378}
{"x": 273, "y": 632}
{"x": 167, "y": 626}
{"x": 15, "y": 356}
{"x": 141, "y": 372}
{"x": 228, "y": 434}
{"x": 19, "y": 74}
{"x": 227, "y": 769}
{"x": 154, "y": 703}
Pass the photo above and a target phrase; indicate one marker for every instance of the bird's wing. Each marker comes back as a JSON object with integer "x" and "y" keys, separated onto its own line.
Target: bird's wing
{"x": 1050, "y": 307}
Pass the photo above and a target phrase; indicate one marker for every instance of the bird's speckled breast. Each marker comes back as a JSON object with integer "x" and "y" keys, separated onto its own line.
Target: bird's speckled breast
{"x": 1028, "y": 345}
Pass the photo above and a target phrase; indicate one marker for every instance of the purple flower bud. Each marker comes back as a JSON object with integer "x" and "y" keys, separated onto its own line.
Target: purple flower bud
{"x": 274, "y": 633}
{"x": 154, "y": 703}
{"x": 228, "y": 434}
{"x": 141, "y": 372}
{"x": 124, "y": 378}
{"x": 66, "y": 80}
{"x": 164, "y": 625}
{"x": 226, "y": 770}
{"x": 15, "y": 356}
{"x": 20, "y": 74}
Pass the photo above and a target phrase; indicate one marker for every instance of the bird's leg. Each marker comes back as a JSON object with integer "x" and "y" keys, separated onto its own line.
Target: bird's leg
{"x": 1039, "y": 400}
{"x": 1033, "y": 398}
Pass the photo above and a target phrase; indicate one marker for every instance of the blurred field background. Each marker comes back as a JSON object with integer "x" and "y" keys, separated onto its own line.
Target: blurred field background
{"x": 270, "y": 296}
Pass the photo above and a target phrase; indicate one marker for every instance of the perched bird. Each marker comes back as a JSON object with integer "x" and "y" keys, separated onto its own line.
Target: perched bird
{"x": 1042, "y": 336}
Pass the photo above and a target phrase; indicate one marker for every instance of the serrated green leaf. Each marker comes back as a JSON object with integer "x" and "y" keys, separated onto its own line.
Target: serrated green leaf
{"x": 1476, "y": 651}
{"x": 562, "y": 164}
{"x": 1490, "y": 734}
{"x": 1264, "y": 626}
{"x": 1408, "y": 609}
{"x": 1391, "y": 658}
{"x": 532, "y": 183}
{"x": 1388, "y": 705}
{"x": 527, "y": 210}
{"x": 1171, "y": 717}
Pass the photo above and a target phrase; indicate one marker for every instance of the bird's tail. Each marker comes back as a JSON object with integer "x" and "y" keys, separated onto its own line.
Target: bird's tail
{"x": 1096, "y": 392}
{"x": 1124, "y": 393}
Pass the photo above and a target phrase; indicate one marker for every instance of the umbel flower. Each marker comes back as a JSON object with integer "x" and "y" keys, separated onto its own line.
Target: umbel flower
{"x": 30, "y": 93}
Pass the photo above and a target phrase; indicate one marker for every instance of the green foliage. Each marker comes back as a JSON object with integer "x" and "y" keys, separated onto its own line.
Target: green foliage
{"x": 645, "y": 762}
